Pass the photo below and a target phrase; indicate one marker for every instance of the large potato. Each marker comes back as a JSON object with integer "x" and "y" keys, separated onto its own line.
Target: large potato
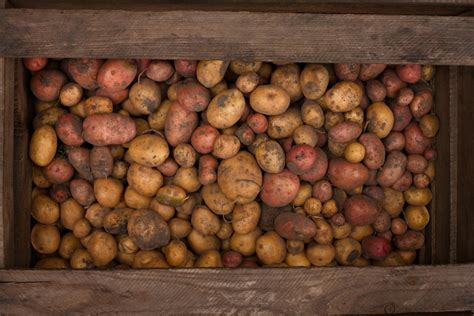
{"x": 345, "y": 175}
{"x": 108, "y": 129}
{"x": 380, "y": 119}
{"x": 314, "y": 80}
{"x": 279, "y": 189}
{"x": 148, "y": 229}
{"x": 46, "y": 84}
{"x": 149, "y": 150}
{"x": 343, "y": 96}
{"x": 43, "y": 145}
{"x": 269, "y": 100}
{"x": 226, "y": 108}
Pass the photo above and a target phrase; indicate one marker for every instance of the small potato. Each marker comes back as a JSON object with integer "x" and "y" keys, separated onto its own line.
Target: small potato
{"x": 270, "y": 248}
{"x": 393, "y": 169}
{"x": 226, "y": 146}
{"x": 421, "y": 181}
{"x": 147, "y": 229}
{"x": 288, "y": 78}
{"x": 360, "y": 232}
{"x": 101, "y": 162}
{"x": 380, "y": 119}
{"x": 81, "y": 259}
{"x": 187, "y": 178}
{"x": 52, "y": 263}
{"x": 347, "y": 250}
{"x": 225, "y": 231}
{"x": 209, "y": 259}
{"x": 404, "y": 182}
{"x": 417, "y": 217}
{"x": 294, "y": 226}
{"x": 81, "y": 228}
{"x": 108, "y": 129}
{"x": 43, "y": 145}
{"x": 270, "y": 156}
{"x": 205, "y": 221}
{"x": 416, "y": 163}
{"x": 149, "y": 150}
{"x": 393, "y": 201}
{"x": 344, "y": 132}
{"x": 108, "y": 191}
{"x": 341, "y": 231}
{"x": 216, "y": 200}
{"x": 427, "y": 72}
{"x": 115, "y": 221}
{"x": 211, "y": 72}
{"x": 58, "y": 171}
{"x": 402, "y": 117}
{"x": 144, "y": 180}
{"x": 241, "y": 66}
{"x": 295, "y": 246}
{"x": 345, "y": 175}
{"x": 355, "y": 115}
{"x": 97, "y": 105}
{"x": 176, "y": 253}
{"x": 179, "y": 228}
{"x": 157, "y": 119}
{"x": 320, "y": 255}
{"x": 348, "y": 72}
{"x": 408, "y": 256}
{"x": 168, "y": 168}
{"x": 422, "y": 103}
{"x": 382, "y": 222}
{"x": 70, "y": 94}
{"x": 303, "y": 194}
{"x": 305, "y": 134}
{"x": 44, "y": 209}
{"x": 313, "y": 207}
{"x": 207, "y": 170}
{"x": 312, "y": 114}
{"x": 149, "y": 259}
{"x": 39, "y": 179}
{"x": 48, "y": 117}
{"x": 411, "y": 240}
{"x": 398, "y": 226}
{"x": 79, "y": 158}
{"x": 59, "y": 192}
{"x": 82, "y": 191}
{"x": 329, "y": 208}
{"x": 324, "y": 233}
{"x": 200, "y": 243}
{"x": 46, "y": 84}
{"x": 283, "y": 125}
{"x": 145, "y": 96}
{"x": 370, "y": 71}
{"x": 429, "y": 125}
{"x": 133, "y": 199}
{"x": 297, "y": 260}
{"x": 184, "y": 155}
{"x": 394, "y": 141}
{"x": 165, "y": 211}
{"x": 71, "y": 211}
{"x": 35, "y": 63}
{"x": 418, "y": 197}
{"x": 159, "y": 70}
{"x": 69, "y": 243}
{"x": 117, "y": 74}
{"x": 404, "y": 97}
{"x": 354, "y": 152}
{"x": 203, "y": 138}
{"x": 392, "y": 83}
{"x": 95, "y": 214}
{"x": 120, "y": 169}
{"x": 322, "y": 190}
{"x": 84, "y": 71}
{"x": 375, "y": 91}
{"x": 247, "y": 82}
{"x": 180, "y": 124}
{"x": 186, "y": 68}
{"x": 314, "y": 80}
{"x": 409, "y": 73}
{"x": 343, "y": 96}
{"x": 245, "y": 217}
{"x": 171, "y": 195}
{"x": 45, "y": 239}
{"x": 376, "y": 247}
{"x": 69, "y": 129}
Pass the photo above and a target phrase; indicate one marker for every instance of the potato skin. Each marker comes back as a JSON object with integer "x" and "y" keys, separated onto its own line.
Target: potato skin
{"x": 394, "y": 141}
{"x": 46, "y": 84}
{"x": 149, "y": 150}
{"x": 245, "y": 217}
{"x": 392, "y": 83}
{"x": 179, "y": 124}
{"x": 185, "y": 67}
{"x": 101, "y": 162}
{"x": 320, "y": 255}
{"x": 380, "y": 119}
{"x": 294, "y": 226}
{"x": 318, "y": 169}
{"x": 143, "y": 179}
{"x": 108, "y": 191}
{"x": 211, "y": 72}
{"x": 279, "y": 189}
{"x": 345, "y": 175}
{"x": 117, "y": 74}
{"x": 216, "y": 200}
{"x": 270, "y": 248}
{"x": 58, "y": 171}
{"x": 192, "y": 95}
{"x": 360, "y": 210}
{"x": 45, "y": 239}
{"x": 344, "y": 132}
{"x": 411, "y": 240}
{"x": 370, "y": 71}
{"x": 108, "y": 129}
{"x": 35, "y": 63}
{"x": 269, "y": 99}
{"x": 145, "y": 96}
{"x": 270, "y": 156}
{"x": 409, "y": 73}
{"x": 343, "y": 96}
{"x": 84, "y": 71}
{"x": 374, "y": 150}
{"x": 115, "y": 222}
{"x": 393, "y": 169}
{"x": 288, "y": 78}
{"x": 415, "y": 141}
{"x": 79, "y": 158}
{"x": 375, "y": 91}
{"x": 102, "y": 248}
{"x": 418, "y": 197}
{"x": 148, "y": 229}
{"x": 421, "y": 103}
{"x": 226, "y": 108}
{"x": 82, "y": 191}
{"x": 69, "y": 129}
{"x": 43, "y": 145}
{"x": 314, "y": 80}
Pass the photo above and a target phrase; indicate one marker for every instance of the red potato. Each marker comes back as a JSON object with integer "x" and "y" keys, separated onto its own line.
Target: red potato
{"x": 84, "y": 71}
{"x": 286, "y": 144}
{"x": 207, "y": 169}
{"x": 344, "y": 132}
{"x": 394, "y": 141}
{"x": 82, "y": 191}
{"x": 346, "y": 175}
{"x": 279, "y": 189}
{"x": 374, "y": 150}
{"x": 192, "y": 95}
{"x": 322, "y": 137}
{"x": 422, "y": 103}
{"x": 108, "y": 129}
{"x": 169, "y": 167}
{"x": 404, "y": 182}
{"x": 180, "y": 124}
{"x": 393, "y": 169}
{"x": 360, "y": 210}
{"x": 117, "y": 97}
{"x": 35, "y": 63}
{"x": 372, "y": 178}
{"x": 79, "y": 158}
{"x": 409, "y": 73}
{"x": 411, "y": 240}
{"x": 69, "y": 129}
{"x": 322, "y": 190}
{"x": 416, "y": 163}
{"x": 231, "y": 259}
{"x": 101, "y": 162}
{"x": 58, "y": 171}
{"x": 398, "y": 226}
{"x": 117, "y": 74}
{"x": 159, "y": 70}
{"x": 258, "y": 123}
{"x": 374, "y": 192}
{"x": 245, "y": 134}
{"x": 392, "y": 83}
{"x": 46, "y": 84}
{"x": 370, "y": 71}
{"x": 294, "y": 226}
{"x": 404, "y": 97}
{"x": 142, "y": 65}
{"x": 300, "y": 158}
{"x": 430, "y": 154}
{"x": 348, "y": 72}
{"x": 375, "y": 247}
{"x": 318, "y": 169}
{"x": 60, "y": 192}
{"x": 186, "y": 68}
{"x": 203, "y": 138}
{"x": 415, "y": 141}
{"x": 402, "y": 117}
{"x": 421, "y": 181}
{"x": 375, "y": 91}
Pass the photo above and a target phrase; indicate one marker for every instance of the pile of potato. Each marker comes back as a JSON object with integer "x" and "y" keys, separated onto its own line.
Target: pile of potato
{"x": 156, "y": 164}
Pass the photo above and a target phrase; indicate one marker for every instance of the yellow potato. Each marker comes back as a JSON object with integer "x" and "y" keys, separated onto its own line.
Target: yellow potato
{"x": 144, "y": 180}
{"x": 176, "y": 253}
{"x": 211, "y": 72}
{"x": 149, "y": 150}
{"x": 245, "y": 217}
{"x": 71, "y": 211}
{"x": 70, "y": 94}
{"x": 284, "y": 125}
{"x": 288, "y": 78}
{"x": 418, "y": 196}
{"x": 226, "y": 108}
{"x": 324, "y": 234}
{"x": 200, "y": 243}
{"x": 380, "y": 119}
{"x": 52, "y": 263}
{"x": 417, "y": 217}
{"x": 69, "y": 243}
{"x": 312, "y": 113}
{"x": 81, "y": 259}
{"x": 320, "y": 255}
{"x": 98, "y": 104}
{"x": 354, "y": 152}
{"x": 343, "y": 96}
{"x": 45, "y": 239}
{"x": 245, "y": 244}
{"x": 43, "y": 145}
{"x": 242, "y": 66}
{"x": 157, "y": 119}
{"x": 269, "y": 100}
{"x": 108, "y": 191}
{"x": 133, "y": 199}
{"x": 347, "y": 250}
{"x": 205, "y": 221}
{"x": 297, "y": 260}
{"x": 188, "y": 179}
{"x": 209, "y": 259}
{"x": 313, "y": 206}
{"x": 314, "y": 80}
{"x": 271, "y": 248}
{"x": 270, "y": 156}
{"x": 355, "y": 115}
{"x": 44, "y": 209}
{"x": 102, "y": 248}
{"x": 360, "y": 232}
{"x": 393, "y": 201}
{"x": 303, "y": 194}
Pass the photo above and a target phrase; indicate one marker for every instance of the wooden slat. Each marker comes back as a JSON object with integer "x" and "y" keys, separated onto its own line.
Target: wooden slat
{"x": 208, "y": 291}
{"x": 229, "y": 35}
{"x": 465, "y": 172}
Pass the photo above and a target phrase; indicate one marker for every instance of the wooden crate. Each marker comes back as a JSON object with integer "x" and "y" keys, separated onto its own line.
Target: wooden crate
{"x": 439, "y": 32}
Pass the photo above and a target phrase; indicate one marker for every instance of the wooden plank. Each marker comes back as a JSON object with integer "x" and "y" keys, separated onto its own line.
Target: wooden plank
{"x": 22, "y": 168}
{"x": 230, "y": 35}
{"x": 274, "y": 291}
{"x": 453, "y": 162}
{"x": 465, "y": 172}
{"x": 6, "y": 162}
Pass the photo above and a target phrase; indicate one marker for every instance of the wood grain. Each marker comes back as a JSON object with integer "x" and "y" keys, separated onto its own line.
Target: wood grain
{"x": 276, "y": 291}
{"x": 231, "y": 35}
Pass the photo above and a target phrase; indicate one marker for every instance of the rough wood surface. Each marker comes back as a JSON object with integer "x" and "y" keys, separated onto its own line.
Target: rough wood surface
{"x": 230, "y": 35}
{"x": 277, "y": 291}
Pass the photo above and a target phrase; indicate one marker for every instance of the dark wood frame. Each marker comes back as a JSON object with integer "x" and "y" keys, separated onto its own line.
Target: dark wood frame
{"x": 447, "y": 40}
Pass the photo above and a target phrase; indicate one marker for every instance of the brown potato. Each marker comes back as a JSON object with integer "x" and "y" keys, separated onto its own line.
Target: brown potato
{"x": 205, "y": 221}
{"x": 81, "y": 228}
{"x": 149, "y": 150}
{"x": 108, "y": 191}
{"x": 360, "y": 232}
{"x": 209, "y": 259}
{"x": 211, "y": 72}
{"x": 269, "y": 100}
{"x": 216, "y": 200}
{"x": 43, "y": 145}
{"x": 180, "y": 124}
{"x": 52, "y": 263}
{"x": 147, "y": 229}
{"x": 270, "y": 248}
{"x": 312, "y": 114}
{"x": 245, "y": 244}
{"x": 145, "y": 180}
{"x": 133, "y": 199}
{"x": 313, "y": 207}
{"x": 48, "y": 117}
{"x": 393, "y": 201}
{"x": 45, "y": 239}
{"x": 270, "y": 156}
{"x": 304, "y": 193}
{"x": 284, "y": 125}
{"x": 347, "y": 250}
{"x": 417, "y": 217}
{"x": 343, "y": 96}
{"x": 157, "y": 119}
{"x": 179, "y": 228}
{"x": 176, "y": 253}
{"x": 145, "y": 96}
{"x": 95, "y": 214}
{"x": 324, "y": 233}
{"x": 380, "y": 119}
{"x": 241, "y": 66}
{"x": 171, "y": 195}
{"x": 69, "y": 243}
{"x": 226, "y": 108}
{"x": 71, "y": 211}
{"x": 97, "y": 105}
{"x": 245, "y": 217}
{"x": 115, "y": 221}
{"x": 81, "y": 259}
{"x": 200, "y": 243}
{"x": 149, "y": 259}
{"x": 411, "y": 240}
{"x": 314, "y": 80}
{"x": 184, "y": 155}
{"x": 44, "y": 209}
{"x": 120, "y": 169}
{"x": 418, "y": 197}
{"x": 429, "y": 125}
{"x": 329, "y": 208}
{"x": 320, "y": 255}
{"x": 226, "y": 146}
{"x": 297, "y": 260}
{"x": 168, "y": 168}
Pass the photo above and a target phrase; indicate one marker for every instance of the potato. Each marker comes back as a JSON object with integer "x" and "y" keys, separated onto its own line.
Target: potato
{"x": 226, "y": 108}
{"x": 318, "y": 169}
{"x": 429, "y": 125}
{"x": 283, "y": 125}
{"x": 149, "y": 259}
{"x": 354, "y": 152}
{"x": 360, "y": 210}
{"x": 145, "y": 180}
{"x": 394, "y": 141}
{"x": 393, "y": 169}
{"x": 58, "y": 171}
{"x": 82, "y": 191}
{"x": 84, "y": 71}
{"x": 200, "y": 243}
{"x": 422, "y": 103}
{"x": 416, "y": 163}
{"x": 69, "y": 129}
{"x": 81, "y": 259}
{"x": 133, "y": 199}
{"x": 226, "y": 146}
{"x": 81, "y": 228}
{"x": 416, "y": 141}
{"x": 97, "y": 105}
{"x": 179, "y": 228}
{"x": 101, "y": 162}
{"x": 382, "y": 222}
{"x": 176, "y": 253}
{"x": 402, "y": 117}
{"x": 71, "y": 211}
{"x": 392, "y": 83}
{"x": 79, "y": 158}
{"x": 329, "y": 208}
{"x": 179, "y": 124}
{"x": 117, "y": 74}
{"x": 393, "y": 201}
{"x": 115, "y": 222}
{"x": 145, "y": 96}
{"x": 376, "y": 91}
{"x": 345, "y": 175}
{"x": 360, "y": 232}
{"x": 294, "y": 226}
{"x": 304, "y": 193}
{"x": 69, "y": 243}
{"x": 95, "y": 214}
{"x": 48, "y": 117}
{"x": 247, "y": 82}
{"x": 184, "y": 155}
{"x": 205, "y": 221}
{"x": 149, "y": 150}
{"x": 320, "y": 255}
{"x": 171, "y": 195}
{"x": 46, "y": 84}
{"x": 45, "y": 239}
{"x": 279, "y": 189}
{"x": 168, "y": 168}
{"x": 216, "y": 200}
{"x": 203, "y": 138}
{"x": 300, "y": 159}
{"x": 348, "y": 72}
{"x": 411, "y": 240}
{"x": 70, "y": 94}
{"x": 108, "y": 191}
{"x": 344, "y": 132}
{"x": 211, "y": 72}
{"x": 322, "y": 190}
{"x": 44, "y": 210}
{"x": 404, "y": 97}
{"x": 108, "y": 129}
{"x": 245, "y": 217}
{"x": 314, "y": 80}
{"x": 324, "y": 233}
{"x": 157, "y": 119}
{"x": 347, "y": 250}
{"x": 209, "y": 259}
{"x": 380, "y": 119}
{"x": 239, "y": 178}
{"x": 159, "y": 70}
{"x": 312, "y": 207}
{"x": 418, "y": 197}
{"x": 186, "y": 68}
{"x": 376, "y": 247}
{"x": 421, "y": 181}
{"x": 207, "y": 173}
{"x": 305, "y": 134}
{"x": 165, "y": 211}
{"x": 35, "y": 63}
{"x": 43, "y": 145}
{"x": 312, "y": 114}
{"x": 417, "y": 217}
{"x": 245, "y": 244}
{"x": 240, "y": 66}
{"x": 147, "y": 229}
{"x": 120, "y": 169}
{"x": 398, "y": 226}
{"x": 343, "y": 96}
{"x": 52, "y": 263}
{"x": 270, "y": 100}
{"x": 270, "y": 248}
{"x": 370, "y": 71}
{"x": 409, "y": 73}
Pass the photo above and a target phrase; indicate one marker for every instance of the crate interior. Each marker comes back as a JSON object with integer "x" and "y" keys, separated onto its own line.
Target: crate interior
{"x": 447, "y": 235}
